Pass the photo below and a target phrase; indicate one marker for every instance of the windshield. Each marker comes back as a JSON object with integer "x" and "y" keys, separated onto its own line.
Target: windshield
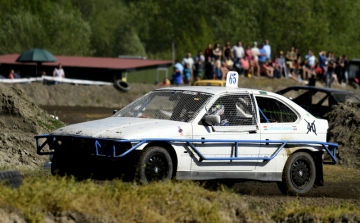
{"x": 343, "y": 98}
{"x": 168, "y": 105}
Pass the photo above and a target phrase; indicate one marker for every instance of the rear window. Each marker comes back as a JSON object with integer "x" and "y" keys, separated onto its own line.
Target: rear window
{"x": 343, "y": 98}
{"x": 274, "y": 111}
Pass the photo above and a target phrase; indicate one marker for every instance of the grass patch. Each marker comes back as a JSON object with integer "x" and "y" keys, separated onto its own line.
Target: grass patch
{"x": 50, "y": 124}
{"x": 337, "y": 173}
{"x": 313, "y": 213}
{"x": 173, "y": 201}
{"x": 180, "y": 201}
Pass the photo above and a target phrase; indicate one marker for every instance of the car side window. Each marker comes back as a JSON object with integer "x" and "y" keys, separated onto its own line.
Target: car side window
{"x": 235, "y": 110}
{"x": 274, "y": 111}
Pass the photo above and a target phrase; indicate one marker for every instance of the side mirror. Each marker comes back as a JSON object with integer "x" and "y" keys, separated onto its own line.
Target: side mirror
{"x": 212, "y": 119}
{"x": 115, "y": 112}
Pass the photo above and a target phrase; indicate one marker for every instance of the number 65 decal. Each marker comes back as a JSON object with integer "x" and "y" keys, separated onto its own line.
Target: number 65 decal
{"x": 232, "y": 78}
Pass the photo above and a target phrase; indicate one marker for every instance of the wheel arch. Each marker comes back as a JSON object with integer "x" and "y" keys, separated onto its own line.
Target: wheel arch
{"x": 317, "y": 157}
{"x": 171, "y": 151}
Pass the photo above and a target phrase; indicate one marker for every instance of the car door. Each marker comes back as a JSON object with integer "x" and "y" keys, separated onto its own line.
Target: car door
{"x": 277, "y": 122}
{"x": 238, "y": 122}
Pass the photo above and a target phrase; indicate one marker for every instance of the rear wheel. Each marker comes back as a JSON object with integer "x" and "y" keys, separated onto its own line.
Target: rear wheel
{"x": 298, "y": 175}
{"x": 154, "y": 165}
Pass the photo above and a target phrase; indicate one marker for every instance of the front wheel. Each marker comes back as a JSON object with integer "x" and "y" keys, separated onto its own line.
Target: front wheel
{"x": 298, "y": 175}
{"x": 154, "y": 165}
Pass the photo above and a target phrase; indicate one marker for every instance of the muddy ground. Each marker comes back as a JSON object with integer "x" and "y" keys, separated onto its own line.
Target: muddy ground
{"x": 21, "y": 119}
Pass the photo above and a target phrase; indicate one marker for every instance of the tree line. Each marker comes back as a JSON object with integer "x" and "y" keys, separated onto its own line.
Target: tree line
{"x": 154, "y": 28}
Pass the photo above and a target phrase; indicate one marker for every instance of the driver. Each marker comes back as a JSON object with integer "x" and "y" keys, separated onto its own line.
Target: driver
{"x": 219, "y": 110}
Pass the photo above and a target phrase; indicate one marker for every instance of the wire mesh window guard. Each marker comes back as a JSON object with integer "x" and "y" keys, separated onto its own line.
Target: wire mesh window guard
{"x": 236, "y": 112}
{"x": 181, "y": 106}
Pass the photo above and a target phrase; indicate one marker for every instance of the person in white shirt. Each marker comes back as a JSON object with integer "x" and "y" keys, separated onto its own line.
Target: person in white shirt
{"x": 267, "y": 48}
{"x": 255, "y": 54}
{"x": 188, "y": 60}
{"x": 238, "y": 51}
{"x": 59, "y": 73}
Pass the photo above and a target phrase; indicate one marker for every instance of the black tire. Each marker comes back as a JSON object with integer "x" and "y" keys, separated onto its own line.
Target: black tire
{"x": 298, "y": 175}
{"x": 57, "y": 166}
{"x": 154, "y": 165}
{"x": 11, "y": 178}
{"x": 122, "y": 85}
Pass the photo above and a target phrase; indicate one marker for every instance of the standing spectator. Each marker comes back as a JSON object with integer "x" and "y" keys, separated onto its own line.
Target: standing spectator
{"x": 177, "y": 77}
{"x": 217, "y": 66}
{"x": 217, "y": 52}
{"x": 262, "y": 56}
{"x": 17, "y": 74}
{"x": 188, "y": 60}
{"x": 199, "y": 65}
{"x": 11, "y": 74}
{"x": 187, "y": 74}
{"x": 322, "y": 60}
{"x": 255, "y": 53}
{"x": 267, "y": 48}
{"x": 330, "y": 70}
{"x": 227, "y": 52}
{"x": 338, "y": 70}
{"x": 238, "y": 51}
{"x": 209, "y": 51}
{"x": 312, "y": 60}
{"x": 248, "y": 53}
{"x": 179, "y": 66}
{"x": 59, "y": 72}
{"x": 346, "y": 68}
{"x": 209, "y": 68}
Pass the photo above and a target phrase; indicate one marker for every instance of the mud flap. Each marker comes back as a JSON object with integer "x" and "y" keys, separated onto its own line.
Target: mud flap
{"x": 319, "y": 181}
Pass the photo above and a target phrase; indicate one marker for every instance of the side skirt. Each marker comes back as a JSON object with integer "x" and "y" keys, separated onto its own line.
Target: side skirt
{"x": 199, "y": 175}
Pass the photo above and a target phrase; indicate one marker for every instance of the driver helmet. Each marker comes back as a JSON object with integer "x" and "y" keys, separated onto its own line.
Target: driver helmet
{"x": 217, "y": 110}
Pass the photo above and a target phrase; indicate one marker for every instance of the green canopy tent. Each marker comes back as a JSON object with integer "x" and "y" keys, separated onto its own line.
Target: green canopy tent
{"x": 36, "y": 55}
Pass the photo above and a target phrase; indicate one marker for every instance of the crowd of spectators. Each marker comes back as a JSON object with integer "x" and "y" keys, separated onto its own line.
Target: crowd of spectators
{"x": 257, "y": 60}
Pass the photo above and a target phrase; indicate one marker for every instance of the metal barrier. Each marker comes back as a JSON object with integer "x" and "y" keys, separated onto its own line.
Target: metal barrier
{"x": 55, "y": 79}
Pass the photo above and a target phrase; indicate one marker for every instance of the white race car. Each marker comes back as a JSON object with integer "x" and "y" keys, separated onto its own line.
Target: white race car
{"x": 200, "y": 133}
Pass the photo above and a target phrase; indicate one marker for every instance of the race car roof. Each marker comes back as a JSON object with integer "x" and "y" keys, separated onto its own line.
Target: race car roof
{"x": 217, "y": 90}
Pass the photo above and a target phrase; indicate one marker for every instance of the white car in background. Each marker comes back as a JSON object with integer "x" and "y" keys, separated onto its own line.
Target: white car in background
{"x": 199, "y": 133}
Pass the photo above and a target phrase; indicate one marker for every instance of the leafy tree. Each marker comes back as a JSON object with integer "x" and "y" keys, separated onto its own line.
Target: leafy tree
{"x": 20, "y": 32}
{"x": 57, "y": 27}
{"x": 67, "y": 32}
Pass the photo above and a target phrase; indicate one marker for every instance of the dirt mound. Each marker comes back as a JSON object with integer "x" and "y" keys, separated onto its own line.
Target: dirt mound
{"x": 72, "y": 95}
{"x": 344, "y": 129}
{"x": 20, "y": 120}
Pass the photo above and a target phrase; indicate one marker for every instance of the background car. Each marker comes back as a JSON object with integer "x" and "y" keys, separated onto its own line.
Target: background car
{"x": 318, "y": 101}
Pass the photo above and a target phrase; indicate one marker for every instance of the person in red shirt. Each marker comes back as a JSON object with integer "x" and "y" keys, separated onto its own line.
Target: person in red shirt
{"x": 208, "y": 51}
{"x": 11, "y": 75}
{"x": 267, "y": 69}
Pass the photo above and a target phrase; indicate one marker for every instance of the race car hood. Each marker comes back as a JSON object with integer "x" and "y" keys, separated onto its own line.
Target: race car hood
{"x": 127, "y": 128}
